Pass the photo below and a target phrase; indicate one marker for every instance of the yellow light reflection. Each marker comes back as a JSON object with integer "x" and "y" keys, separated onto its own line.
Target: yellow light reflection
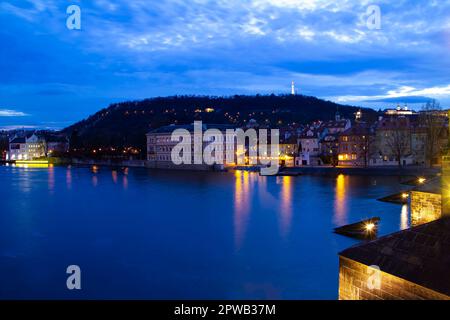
{"x": 404, "y": 217}
{"x": 340, "y": 202}
{"x": 286, "y": 205}
{"x": 241, "y": 206}
{"x": 31, "y": 166}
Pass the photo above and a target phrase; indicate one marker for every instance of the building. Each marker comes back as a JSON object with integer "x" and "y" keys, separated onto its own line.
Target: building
{"x": 289, "y": 149}
{"x": 56, "y": 145}
{"x": 329, "y": 144}
{"x": 28, "y": 147}
{"x": 336, "y": 126}
{"x": 426, "y": 202}
{"x": 392, "y": 145}
{"x": 318, "y": 142}
{"x": 309, "y": 144}
{"x": 412, "y": 264}
{"x": 419, "y": 144}
{"x": 160, "y": 145}
{"x": 329, "y": 148}
{"x": 355, "y": 146}
{"x": 399, "y": 111}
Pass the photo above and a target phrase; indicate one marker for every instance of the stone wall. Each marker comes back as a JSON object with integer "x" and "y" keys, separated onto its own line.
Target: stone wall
{"x": 425, "y": 207}
{"x": 354, "y": 282}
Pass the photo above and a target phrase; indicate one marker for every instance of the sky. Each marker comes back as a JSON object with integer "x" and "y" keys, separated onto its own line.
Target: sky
{"x": 52, "y": 76}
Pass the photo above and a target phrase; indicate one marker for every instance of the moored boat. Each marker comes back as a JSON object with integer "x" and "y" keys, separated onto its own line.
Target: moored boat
{"x": 366, "y": 229}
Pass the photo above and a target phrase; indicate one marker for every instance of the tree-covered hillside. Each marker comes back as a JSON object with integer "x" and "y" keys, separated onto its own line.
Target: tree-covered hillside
{"x": 125, "y": 124}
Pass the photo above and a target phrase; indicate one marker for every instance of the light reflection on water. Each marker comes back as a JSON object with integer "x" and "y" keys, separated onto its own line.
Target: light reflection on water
{"x": 405, "y": 217}
{"x": 340, "y": 202}
{"x": 69, "y": 178}
{"x": 286, "y": 205}
{"x": 51, "y": 179}
{"x": 205, "y": 235}
{"x": 241, "y": 206}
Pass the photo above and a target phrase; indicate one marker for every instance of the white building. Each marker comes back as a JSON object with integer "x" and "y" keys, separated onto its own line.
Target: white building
{"x": 309, "y": 142}
{"x": 26, "y": 148}
{"x": 160, "y": 145}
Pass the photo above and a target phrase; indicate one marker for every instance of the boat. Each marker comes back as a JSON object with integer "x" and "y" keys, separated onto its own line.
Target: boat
{"x": 399, "y": 198}
{"x": 366, "y": 229}
{"x": 282, "y": 173}
{"x": 289, "y": 173}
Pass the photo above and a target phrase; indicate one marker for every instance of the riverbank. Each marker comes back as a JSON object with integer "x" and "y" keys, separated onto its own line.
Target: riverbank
{"x": 369, "y": 171}
{"x": 359, "y": 171}
{"x": 412, "y": 171}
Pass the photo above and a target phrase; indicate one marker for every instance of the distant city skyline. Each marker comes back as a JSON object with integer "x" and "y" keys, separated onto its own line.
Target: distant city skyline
{"x": 51, "y": 77}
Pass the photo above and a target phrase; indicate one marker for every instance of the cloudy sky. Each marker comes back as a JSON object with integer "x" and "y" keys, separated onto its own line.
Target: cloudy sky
{"x": 51, "y": 76}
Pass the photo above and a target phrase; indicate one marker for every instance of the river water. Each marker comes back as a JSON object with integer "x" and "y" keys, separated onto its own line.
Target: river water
{"x": 142, "y": 234}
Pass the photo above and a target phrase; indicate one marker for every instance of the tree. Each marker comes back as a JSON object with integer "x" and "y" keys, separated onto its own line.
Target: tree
{"x": 367, "y": 142}
{"x": 4, "y": 142}
{"x": 398, "y": 141}
{"x": 435, "y": 125}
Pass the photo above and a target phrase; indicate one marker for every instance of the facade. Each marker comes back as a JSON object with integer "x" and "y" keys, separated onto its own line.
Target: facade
{"x": 318, "y": 143}
{"x": 393, "y": 144}
{"x": 426, "y": 202}
{"x": 288, "y": 151}
{"x": 418, "y": 144}
{"x": 309, "y": 142}
{"x": 355, "y": 146}
{"x": 329, "y": 148}
{"x": 399, "y": 111}
{"x": 26, "y": 148}
{"x": 160, "y": 146}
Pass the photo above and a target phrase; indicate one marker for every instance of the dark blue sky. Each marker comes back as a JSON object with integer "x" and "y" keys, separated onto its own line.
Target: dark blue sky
{"x": 51, "y": 76}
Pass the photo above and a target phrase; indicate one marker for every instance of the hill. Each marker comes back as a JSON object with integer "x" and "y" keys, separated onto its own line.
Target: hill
{"x": 125, "y": 124}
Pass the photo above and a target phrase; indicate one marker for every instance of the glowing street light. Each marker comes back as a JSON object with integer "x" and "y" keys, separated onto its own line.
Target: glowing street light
{"x": 422, "y": 180}
{"x": 370, "y": 227}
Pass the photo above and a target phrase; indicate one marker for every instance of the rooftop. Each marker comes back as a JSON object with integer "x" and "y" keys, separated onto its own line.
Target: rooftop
{"x": 18, "y": 140}
{"x": 358, "y": 130}
{"x": 420, "y": 254}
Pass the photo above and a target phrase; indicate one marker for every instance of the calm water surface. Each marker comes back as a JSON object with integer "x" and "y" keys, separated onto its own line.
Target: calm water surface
{"x": 139, "y": 234}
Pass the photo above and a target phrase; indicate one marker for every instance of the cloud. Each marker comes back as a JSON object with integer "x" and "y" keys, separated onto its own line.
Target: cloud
{"x": 140, "y": 48}
{"x": 12, "y": 113}
{"x": 402, "y": 93}
{"x": 17, "y": 127}
{"x": 406, "y": 99}
{"x": 29, "y": 10}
